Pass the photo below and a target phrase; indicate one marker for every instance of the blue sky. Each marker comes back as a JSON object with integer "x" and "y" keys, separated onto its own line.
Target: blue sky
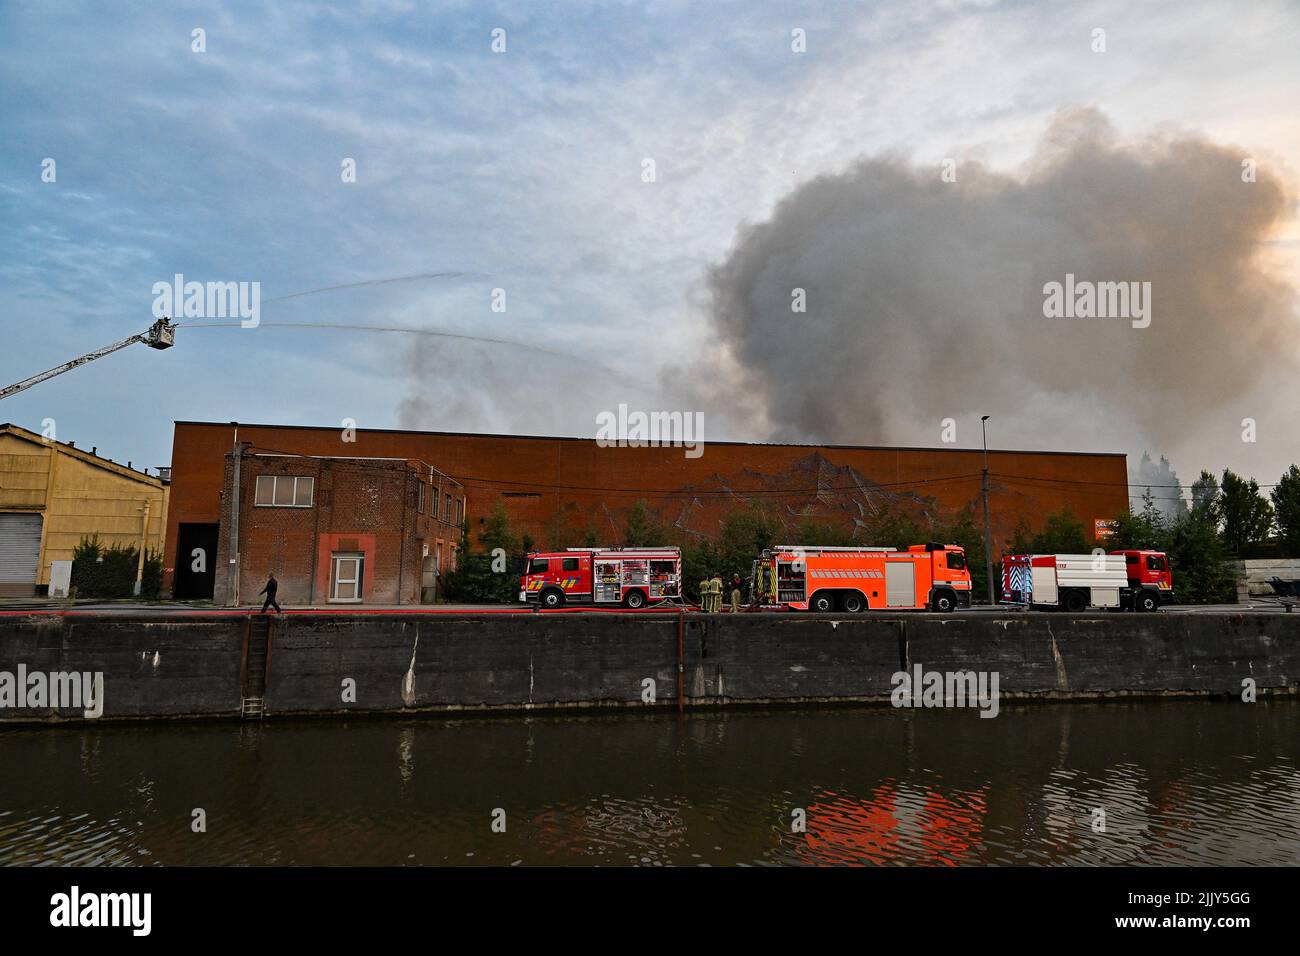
{"x": 522, "y": 169}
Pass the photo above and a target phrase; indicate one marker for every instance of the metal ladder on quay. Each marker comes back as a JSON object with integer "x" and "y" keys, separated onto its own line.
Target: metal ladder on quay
{"x": 254, "y": 689}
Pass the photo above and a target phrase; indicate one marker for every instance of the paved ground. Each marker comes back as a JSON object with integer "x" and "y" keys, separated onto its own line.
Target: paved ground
{"x": 12, "y": 607}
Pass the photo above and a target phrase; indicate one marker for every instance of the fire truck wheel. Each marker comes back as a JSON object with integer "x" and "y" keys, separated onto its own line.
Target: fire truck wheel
{"x": 943, "y": 603}
{"x": 821, "y": 602}
{"x": 552, "y": 598}
{"x": 1075, "y": 601}
{"x": 1146, "y": 602}
{"x": 852, "y": 602}
{"x": 634, "y": 600}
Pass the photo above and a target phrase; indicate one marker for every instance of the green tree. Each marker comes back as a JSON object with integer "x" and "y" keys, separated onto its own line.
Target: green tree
{"x": 558, "y": 532}
{"x": 1147, "y": 530}
{"x": 964, "y": 531}
{"x": 746, "y": 533}
{"x": 894, "y": 528}
{"x": 1062, "y": 533}
{"x": 824, "y": 534}
{"x": 489, "y": 573}
{"x": 643, "y": 528}
{"x": 1205, "y": 498}
{"x": 1247, "y": 514}
{"x": 699, "y": 561}
{"x": 1286, "y": 511}
{"x": 1201, "y": 569}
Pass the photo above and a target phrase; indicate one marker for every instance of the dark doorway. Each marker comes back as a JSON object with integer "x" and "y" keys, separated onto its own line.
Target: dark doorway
{"x": 196, "y": 561}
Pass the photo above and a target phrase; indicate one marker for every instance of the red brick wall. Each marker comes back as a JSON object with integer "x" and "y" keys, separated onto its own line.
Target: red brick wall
{"x": 367, "y": 507}
{"x": 598, "y": 484}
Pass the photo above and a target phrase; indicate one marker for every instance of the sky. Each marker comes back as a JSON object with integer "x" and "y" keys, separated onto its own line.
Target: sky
{"x": 520, "y": 175}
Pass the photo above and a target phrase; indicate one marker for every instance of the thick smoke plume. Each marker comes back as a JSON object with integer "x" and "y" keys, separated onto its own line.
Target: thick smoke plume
{"x": 925, "y": 298}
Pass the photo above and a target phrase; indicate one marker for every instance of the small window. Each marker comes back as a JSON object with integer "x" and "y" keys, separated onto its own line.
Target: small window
{"x": 1131, "y": 559}
{"x": 284, "y": 491}
{"x": 447, "y": 510}
{"x": 538, "y": 566}
{"x": 569, "y": 564}
{"x": 956, "y": 561}
{"x": 419, "y": 501}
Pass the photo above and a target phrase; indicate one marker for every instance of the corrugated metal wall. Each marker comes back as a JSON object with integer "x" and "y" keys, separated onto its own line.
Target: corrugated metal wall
{"x": 20, "y": 548}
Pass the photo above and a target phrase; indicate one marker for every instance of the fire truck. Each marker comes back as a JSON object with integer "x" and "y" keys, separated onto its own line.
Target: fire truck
{"x": 630, "y": 577}
{"x": 932, "y": 576}
{"x": 1121, "y": 580}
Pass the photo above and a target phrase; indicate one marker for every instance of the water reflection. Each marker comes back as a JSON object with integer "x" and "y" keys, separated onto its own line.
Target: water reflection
{"x": 1110, "y": 784}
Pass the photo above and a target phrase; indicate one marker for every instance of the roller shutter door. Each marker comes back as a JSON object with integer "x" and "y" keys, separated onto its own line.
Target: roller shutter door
{"x": 900, "y": 584}
{"x": 20, "y": 549}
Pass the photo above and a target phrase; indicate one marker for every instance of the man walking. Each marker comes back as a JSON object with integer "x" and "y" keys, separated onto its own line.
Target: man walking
{"x": 272, "y": 585}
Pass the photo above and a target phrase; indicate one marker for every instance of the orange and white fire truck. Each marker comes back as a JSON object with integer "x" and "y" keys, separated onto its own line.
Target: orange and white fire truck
{"x": 932, "y": 576}
{"x": 631, "y": 577}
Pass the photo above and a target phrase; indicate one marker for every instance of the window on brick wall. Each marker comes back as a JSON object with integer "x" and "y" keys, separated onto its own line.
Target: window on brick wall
{"x": 284, "y": 491}
{"x": 447, "y": 507}
{"x": 419, "y": 501}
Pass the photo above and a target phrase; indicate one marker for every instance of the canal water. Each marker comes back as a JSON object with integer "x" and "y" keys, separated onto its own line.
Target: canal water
{"x": 1179, "y": 782}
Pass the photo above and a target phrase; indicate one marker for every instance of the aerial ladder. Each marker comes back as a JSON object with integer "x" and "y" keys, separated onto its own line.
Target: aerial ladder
{"x": 160, "y": 335}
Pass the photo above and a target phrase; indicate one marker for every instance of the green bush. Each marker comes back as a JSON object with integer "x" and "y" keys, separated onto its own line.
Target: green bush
{"x": 480, "y": 577}
{"x": 108, "y": 571}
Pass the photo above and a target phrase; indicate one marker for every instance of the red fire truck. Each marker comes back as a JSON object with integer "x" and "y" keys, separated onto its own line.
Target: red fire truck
{"x": 1121, "y": 580}
{"x": 631, "y": 577}
{"x": 814, "y": 578}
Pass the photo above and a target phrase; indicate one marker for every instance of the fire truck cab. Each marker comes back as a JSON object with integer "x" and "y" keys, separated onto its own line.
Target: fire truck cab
{"x": 925, "y": 576}
{"x": 631, "y": 577}
{"x": 1150, "y": 579}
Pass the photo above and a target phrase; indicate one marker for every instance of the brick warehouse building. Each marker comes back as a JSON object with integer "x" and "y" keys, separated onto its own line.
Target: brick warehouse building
{"x": 549, "y": 483}
{"x": 333, "y": 529}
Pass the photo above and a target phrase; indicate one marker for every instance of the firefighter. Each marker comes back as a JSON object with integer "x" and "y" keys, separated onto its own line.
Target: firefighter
{"x": 704, "y": 594}
{"x": 715, "y": 588}
{"x": 735, "y": 593}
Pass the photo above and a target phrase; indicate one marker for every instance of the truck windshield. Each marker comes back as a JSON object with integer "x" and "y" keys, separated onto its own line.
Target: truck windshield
{"x": 957, "y": 560}
{"x": 538, "y": 566}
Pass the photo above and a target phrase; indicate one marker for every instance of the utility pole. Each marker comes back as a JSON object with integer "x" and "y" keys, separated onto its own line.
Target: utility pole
{"x": 232, "y": 589}
{"x": 988, "y": 538}
{"x": 144, "y": 538}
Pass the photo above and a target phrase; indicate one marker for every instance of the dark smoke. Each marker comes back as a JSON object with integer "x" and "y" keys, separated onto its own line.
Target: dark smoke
{"x": 925, "y": 298}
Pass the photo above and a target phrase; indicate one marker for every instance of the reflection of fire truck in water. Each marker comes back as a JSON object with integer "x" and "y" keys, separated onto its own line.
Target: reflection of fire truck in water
{"x": 814, "y": 578}
{"x": 631, "y": 577}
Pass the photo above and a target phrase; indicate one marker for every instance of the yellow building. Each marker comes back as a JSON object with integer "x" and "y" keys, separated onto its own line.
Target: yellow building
{"x": 52, "y": 495}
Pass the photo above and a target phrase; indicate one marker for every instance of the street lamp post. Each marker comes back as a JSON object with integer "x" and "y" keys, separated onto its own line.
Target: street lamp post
{"x": 984, "y": 485}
